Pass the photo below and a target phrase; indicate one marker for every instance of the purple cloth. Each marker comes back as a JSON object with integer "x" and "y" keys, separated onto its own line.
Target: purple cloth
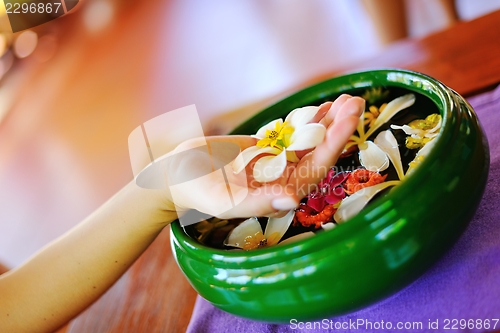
{"x": 464, "y": 284}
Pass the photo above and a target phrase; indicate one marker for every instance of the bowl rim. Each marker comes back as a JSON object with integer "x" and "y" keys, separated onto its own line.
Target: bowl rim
{"x": 410, "y": 80}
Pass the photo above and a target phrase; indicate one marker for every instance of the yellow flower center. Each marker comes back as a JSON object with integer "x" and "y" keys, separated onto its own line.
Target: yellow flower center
{"x": 426, "y": 125}
{"x": 278, "y": 137}
{"x": 372, "y": 114}
{"x": 273, "y": 135}
{"x": 254, "y": 242}
{"x": 258, "y": 241}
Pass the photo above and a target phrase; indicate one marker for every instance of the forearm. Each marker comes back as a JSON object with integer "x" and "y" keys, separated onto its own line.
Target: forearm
{"x": 69, "y": 274}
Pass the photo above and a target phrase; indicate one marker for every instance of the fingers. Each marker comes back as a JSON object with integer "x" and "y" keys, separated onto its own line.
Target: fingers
{"x": 322, "y": 111}
{"x": 334, "y": 108}
{"x": 314, "y": 166}
{"x": 267, "y": 200}
{"x": 337, "y": 135}
{"x": 244, "y": 141}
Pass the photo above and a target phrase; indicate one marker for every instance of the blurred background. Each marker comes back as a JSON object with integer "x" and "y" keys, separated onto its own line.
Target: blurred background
{"x": 73, "y": 89}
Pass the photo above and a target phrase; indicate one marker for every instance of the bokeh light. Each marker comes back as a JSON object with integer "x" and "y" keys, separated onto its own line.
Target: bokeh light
{"x": 25, "y": 43}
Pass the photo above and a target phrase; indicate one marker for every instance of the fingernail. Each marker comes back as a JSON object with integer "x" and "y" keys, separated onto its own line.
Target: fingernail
{"x": 286, "y": 203}
{"x": 358, "y": 110}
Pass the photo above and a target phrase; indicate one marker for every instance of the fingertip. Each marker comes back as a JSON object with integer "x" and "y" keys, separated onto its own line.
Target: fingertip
{"x": 284, "y": 203}
{"x": 354, "y": 106}
{"x": 361, "y": 102}
{"x": 322, "y": 111}
{"x": 335, "y": 106}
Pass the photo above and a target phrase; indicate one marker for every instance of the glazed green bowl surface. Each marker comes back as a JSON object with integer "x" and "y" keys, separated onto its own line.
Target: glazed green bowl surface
{"x": 393, "y": 241}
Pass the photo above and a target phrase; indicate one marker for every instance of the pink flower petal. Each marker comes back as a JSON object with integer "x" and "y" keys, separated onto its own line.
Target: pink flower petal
{"x": 317, "y": 203}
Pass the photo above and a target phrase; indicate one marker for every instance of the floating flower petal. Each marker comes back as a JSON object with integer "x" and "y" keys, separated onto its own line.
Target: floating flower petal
{"x": 296, "y": 238}
{"x": 387, "y": 142}
{"x": 278, "y": 227}
{"x": 238, "y": 236}
{"x": 392, "y": 108}
{"x": 421, "y": 131}
{"x": 422, "y": 153}
{"x": 249, "y": 236}
{"x": 353, "y": 204}
{"x": 372, "y": 157}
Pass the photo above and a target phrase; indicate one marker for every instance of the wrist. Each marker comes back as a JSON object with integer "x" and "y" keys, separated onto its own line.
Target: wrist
{"x": 156, "y": 208}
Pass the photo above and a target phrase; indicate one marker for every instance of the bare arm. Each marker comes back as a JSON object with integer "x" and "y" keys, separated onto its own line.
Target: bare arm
{"x": 73, "y": 271}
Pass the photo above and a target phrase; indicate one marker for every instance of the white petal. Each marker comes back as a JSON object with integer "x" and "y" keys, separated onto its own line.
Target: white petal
{"x": 261, "y": 133}
{"x": 425, "y": 150}
{"x": 387, "y": 142}
{"x": 372, "y": 157}
{"x": 249, "y": 154}
{"x": 421, "y": 154}
{"x": 279, "y": 225}
{"x": 269, "y": 168}
{"x": 296, "y": 238}
{"x": 307, "y": 137}
{"x": 301, "y": 116}
{"x": 409, "y": 131}
{"x": 391, "y": 109}
{"x": 328, "y": 226}
{"x": 246, "y": 228}
{"x": 353, "y": 204}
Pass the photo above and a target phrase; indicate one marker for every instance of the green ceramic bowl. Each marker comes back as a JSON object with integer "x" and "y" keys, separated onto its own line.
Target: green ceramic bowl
{"x": 393, "y": 241}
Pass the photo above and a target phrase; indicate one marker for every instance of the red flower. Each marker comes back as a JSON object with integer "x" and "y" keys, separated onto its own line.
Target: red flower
{"x": 362, "y": 178}
{"x": 330, "y": 191}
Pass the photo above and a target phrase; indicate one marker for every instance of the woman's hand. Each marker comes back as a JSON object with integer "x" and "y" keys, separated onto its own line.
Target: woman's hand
{"x": 247, "y": 196}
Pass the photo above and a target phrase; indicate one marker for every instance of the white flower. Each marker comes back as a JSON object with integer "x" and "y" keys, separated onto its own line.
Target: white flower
{"x": 371, "y": 156}
{"x": 249, "y": 236}
{"x": 424, "y": 131}
{"x": 387, "y": 143}
{"x": 280, "y": 140}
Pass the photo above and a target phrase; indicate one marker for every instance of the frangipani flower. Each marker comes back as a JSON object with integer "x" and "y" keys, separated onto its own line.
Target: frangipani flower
{"x": 421, "y": 131}
{"x": 249, "y": 236}
{"x": 371, "y": 156}
{"x": 386, "y": 141}
{"x": 279, "y": 140}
